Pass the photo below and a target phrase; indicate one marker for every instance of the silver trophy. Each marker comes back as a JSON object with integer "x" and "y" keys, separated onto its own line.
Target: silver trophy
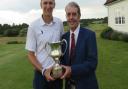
{"x": 56, "y": 53}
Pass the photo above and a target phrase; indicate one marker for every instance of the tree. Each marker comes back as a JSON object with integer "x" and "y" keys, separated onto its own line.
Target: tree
{"x": 105, "y": 20}
{"x": 11, "y": 32}
{"x": 0, "y": 29}
{"x": 24, "y": 25}
{"x": 23, "y": 32}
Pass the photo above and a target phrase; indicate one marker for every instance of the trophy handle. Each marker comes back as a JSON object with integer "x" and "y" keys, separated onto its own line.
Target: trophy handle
{"x": 47, "y": 44}
{"x": 63, "y": 40}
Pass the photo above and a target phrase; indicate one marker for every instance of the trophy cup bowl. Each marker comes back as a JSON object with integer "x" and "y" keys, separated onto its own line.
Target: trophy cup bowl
{"x": 56, "y": 53}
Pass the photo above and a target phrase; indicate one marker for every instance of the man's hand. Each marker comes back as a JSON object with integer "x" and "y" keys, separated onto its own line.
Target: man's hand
{"x": 67, "y": 72}
{"x": 47, "y": 75}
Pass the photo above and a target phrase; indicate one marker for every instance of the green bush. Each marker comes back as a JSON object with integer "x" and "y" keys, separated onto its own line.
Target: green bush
{"x": 115, "y": 35}
{"x": 107, "y": 33}
{"x": 123, "y": 37}
{"x": 15, "y": 42}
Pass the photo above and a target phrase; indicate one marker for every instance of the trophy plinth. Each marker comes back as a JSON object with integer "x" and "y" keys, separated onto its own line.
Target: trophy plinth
{"x": 56, "y": 53}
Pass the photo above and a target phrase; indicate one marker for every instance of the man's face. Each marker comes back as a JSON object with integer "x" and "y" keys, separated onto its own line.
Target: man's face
{"x": 47, "y": 6}
{"x": 73, "y": 17}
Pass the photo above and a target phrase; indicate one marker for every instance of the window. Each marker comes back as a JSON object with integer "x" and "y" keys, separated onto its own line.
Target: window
{"x": 123, "y": 20}
{"x": 120, "y": 20}
{"x": 116, "y": 20}
{"x": 119, "y": 15}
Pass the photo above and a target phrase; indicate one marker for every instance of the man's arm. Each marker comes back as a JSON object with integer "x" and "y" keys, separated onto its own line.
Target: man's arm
{"x": 38, "y": 66}
{"x": 33, "y": 60}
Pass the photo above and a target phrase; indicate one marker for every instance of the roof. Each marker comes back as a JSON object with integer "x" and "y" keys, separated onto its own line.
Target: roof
{"x": 109, "y": 1}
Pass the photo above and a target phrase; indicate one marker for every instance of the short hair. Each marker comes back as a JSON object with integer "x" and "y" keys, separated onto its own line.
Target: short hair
{"x": 41, "y": 0}
{"x": 74, "y": 4}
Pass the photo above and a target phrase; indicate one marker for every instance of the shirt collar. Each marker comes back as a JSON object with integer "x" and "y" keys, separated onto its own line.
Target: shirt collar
{"x": 42, "y": 23}
{"x": 76, "y": 30}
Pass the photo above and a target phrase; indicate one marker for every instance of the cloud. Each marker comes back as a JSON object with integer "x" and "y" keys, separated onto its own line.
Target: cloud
{"x": 25, "y": 11}
{"x": 27, "y": 5}
{"x": 94, "y": 12}
{"x": 27, "y": 17}
{"x": 19, "y": 5}
{"x": 11, "y": 17}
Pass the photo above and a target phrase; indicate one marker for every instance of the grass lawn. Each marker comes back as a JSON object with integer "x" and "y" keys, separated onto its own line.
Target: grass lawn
{"x": 16, "y": 72}
{"x": 113, "y": 64}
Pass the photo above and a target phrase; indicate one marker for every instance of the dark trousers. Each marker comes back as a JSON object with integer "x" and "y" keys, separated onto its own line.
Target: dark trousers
{"x": 70, "y": 84}
{"x": 40, "y": 82}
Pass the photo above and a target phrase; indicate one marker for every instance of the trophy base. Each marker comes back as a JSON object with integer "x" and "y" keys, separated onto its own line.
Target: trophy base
{"x": 57, "y": 72}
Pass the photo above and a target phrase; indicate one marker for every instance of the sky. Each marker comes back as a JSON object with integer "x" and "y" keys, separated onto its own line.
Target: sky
{"x": 26, "y": 11}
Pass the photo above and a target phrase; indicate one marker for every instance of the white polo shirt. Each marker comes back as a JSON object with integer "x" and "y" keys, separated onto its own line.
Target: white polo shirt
{"x": 39, "y": 34}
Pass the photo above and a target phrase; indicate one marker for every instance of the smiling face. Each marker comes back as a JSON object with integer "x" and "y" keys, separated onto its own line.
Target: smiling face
{"x": 47, "y": 7}
{"x": 73, "y": 17}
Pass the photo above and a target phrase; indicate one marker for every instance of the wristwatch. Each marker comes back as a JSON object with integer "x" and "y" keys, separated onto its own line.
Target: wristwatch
{"x": 43, "y": 70}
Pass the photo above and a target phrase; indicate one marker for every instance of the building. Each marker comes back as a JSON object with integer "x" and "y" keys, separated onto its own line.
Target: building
{"x": 118, "y": 14}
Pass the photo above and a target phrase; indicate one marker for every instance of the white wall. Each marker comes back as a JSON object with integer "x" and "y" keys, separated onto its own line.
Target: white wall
{"x": 118, "y": 9}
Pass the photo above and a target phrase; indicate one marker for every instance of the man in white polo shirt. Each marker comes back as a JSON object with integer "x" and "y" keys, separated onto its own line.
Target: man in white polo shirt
{"x": 44, "y": 30}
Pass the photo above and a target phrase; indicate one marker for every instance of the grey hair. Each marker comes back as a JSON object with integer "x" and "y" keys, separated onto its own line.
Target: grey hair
{"x": 74, "y": 4}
